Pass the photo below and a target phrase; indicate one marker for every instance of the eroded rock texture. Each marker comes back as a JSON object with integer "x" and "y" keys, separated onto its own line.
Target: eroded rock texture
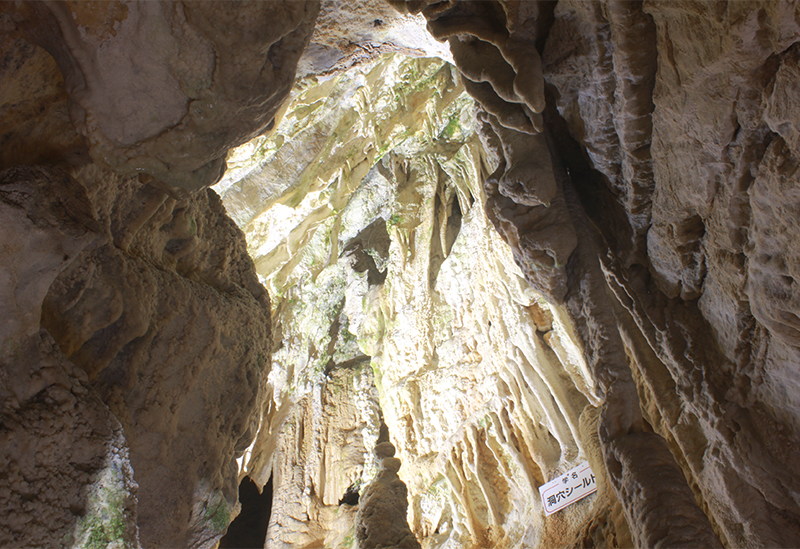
{"x": 66, "y": 478}
{"x": 609, "y": 153}
{"x": 381, "y": 520}
{"x": 663, "y": 118}
{"x": 323, "y": 460}
{"x": 165, "y": 87}
{"x": 161, "y": 321}
{"x": 576, "y": 245}
{"x": 348, "y": 34}
{"x": 496, "y": 47}
{"x": 389, "y": 255}
{"x": 132, "y": 387}
{"x": 167, "y": 319}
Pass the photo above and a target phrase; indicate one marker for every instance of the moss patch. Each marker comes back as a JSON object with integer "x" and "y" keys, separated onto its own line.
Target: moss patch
{"x": 104, "y": 523}
{"x": 218, "y": 512}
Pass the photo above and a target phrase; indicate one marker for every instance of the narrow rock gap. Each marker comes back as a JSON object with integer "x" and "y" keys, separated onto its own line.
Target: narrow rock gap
{"x": 544, "y": 22}
{"x": 351, "y": 496}
{"x": 249, "y": 529}
{"x": 598, "y": 200}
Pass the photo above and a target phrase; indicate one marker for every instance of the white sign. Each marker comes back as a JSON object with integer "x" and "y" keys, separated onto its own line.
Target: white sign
{"x": 575, "y": 484}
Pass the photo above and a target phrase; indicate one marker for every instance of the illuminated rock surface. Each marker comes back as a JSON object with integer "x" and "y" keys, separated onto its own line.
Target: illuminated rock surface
{"x": 399, "y": 266}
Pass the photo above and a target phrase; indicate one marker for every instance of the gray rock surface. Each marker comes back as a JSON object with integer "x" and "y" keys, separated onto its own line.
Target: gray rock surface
{"x": 66, "y": 474}
{"x": 381, "y": 519}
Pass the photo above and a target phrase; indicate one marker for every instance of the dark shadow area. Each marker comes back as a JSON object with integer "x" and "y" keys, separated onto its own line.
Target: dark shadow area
{"x": 372, "y": 241}
{"x": 446, "y": 226}
{"x": 350, "y": 497}
{"x": 600, "y": 202}
{"x": 249, "y": 529}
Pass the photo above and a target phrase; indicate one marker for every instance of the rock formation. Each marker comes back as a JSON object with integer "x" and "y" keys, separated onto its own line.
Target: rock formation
{"x": 67, "y": 478}
{"x": 164, "y": 87}
{"x": 575, "y": 243}
{"x": 134, "y": 304}
{"x": 382, "y": 509}
{"x": 402, "y": 269}
{"x": 322, "y": 461}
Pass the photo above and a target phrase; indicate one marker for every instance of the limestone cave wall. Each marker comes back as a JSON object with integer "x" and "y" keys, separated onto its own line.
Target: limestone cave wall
{"x": 136, "y": 346}
{"x": 659, "y": 120}
{"x": 385, "y": 257}
{"x": 454, "y": 249}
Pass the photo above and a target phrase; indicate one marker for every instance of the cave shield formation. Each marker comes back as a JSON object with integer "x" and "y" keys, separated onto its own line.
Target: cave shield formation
{"x": 335, "y": 274}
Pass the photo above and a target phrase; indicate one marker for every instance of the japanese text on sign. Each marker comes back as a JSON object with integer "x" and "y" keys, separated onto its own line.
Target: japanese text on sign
{"x": 575, "y": 484}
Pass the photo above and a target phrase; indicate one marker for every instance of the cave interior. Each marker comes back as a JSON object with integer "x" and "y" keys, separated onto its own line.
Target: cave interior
{"x": 400, "y": 274}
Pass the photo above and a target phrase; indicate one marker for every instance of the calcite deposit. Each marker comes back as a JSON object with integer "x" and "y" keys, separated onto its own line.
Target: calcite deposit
{"x": 455, "y": 249}
{"x": 323, "y": 460}
{"x": 402, "y": 270}
{"x": 383, "y": 502}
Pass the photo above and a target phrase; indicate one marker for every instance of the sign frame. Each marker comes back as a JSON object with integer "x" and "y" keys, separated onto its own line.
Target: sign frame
{"x": 568, "y": 488}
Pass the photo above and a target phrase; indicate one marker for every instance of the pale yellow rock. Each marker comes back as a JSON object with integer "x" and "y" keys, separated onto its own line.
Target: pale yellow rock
{"x": 466, "y": 382}
{"x": 322, "y": 458}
